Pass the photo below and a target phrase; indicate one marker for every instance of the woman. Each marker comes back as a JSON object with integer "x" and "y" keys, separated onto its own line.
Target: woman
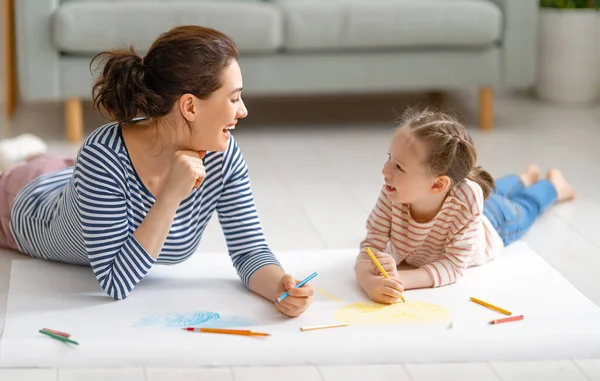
{"x": 143, "y": 188}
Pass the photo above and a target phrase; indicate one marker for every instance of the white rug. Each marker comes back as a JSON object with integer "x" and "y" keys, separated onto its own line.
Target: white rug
{"x": 144, "y": 330}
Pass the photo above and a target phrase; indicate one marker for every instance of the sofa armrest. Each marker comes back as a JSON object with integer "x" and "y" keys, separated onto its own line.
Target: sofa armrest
{"x": 519, "y": 42}
{"x": 37, "y": 58}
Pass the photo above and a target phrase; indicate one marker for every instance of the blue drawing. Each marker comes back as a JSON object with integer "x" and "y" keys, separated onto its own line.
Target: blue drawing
{"x": 192, "y": 319}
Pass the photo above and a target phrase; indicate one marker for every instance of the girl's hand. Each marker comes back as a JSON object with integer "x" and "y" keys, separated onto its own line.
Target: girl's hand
{"x": 383, "y": 290}
{"x": 298, "y": 299}
{"x": 388, "y": 263}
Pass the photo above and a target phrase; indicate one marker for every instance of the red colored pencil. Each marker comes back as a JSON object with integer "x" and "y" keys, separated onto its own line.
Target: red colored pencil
{"x": 65, "y": 335}
{"x": 506, "y": 320}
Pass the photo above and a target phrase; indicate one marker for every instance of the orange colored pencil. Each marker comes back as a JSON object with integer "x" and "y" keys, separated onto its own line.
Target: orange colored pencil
{"x": 242, "y": 332}
{"x": 220, "y": 330}
{"x": 233, "y": 332}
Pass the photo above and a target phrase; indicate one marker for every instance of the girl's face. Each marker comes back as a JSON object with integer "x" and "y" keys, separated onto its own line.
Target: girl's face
{"x": 406, "y": 173}
{"x": 211, "y": 119}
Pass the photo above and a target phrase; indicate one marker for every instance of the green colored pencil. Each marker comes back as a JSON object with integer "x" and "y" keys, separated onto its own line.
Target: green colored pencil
{"x": 63, "y": 339}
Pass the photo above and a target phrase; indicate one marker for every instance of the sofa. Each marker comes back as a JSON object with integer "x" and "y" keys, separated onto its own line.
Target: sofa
{"x": 291, "y": 47}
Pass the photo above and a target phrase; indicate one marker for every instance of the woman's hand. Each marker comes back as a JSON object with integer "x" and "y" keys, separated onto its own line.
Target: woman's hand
{"x": 298, "y": 299}
{"x": 186, "y": 172}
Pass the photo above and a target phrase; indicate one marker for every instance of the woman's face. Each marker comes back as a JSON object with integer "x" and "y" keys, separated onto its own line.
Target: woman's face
{"x": 214, "y": 116}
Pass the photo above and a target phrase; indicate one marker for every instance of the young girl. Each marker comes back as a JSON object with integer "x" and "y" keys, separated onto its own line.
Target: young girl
{"x": 431, "y": 212}
{"x": 143, "y": 188}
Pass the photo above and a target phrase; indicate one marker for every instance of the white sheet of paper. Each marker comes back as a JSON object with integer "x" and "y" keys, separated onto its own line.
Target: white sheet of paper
{"x": 559, "y": 321}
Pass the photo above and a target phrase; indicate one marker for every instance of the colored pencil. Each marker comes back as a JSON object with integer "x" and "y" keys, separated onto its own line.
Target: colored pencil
{"x": 508, "y": 319}
{"x": 59, "y": 333}
{"x": 385, "y": 274}
{"x": 233, "y": 332}
{"x": 57, "y": 337}
{"x": 323, "y": 326}
{"x": 241, "y": 332}
{"x": 491, "y": 306}
{"x": 194, "y": 329}
{"x": 286, "y": 294}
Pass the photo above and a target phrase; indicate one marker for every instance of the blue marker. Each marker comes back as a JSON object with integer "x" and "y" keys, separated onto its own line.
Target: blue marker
{"x": 285, "y": 295}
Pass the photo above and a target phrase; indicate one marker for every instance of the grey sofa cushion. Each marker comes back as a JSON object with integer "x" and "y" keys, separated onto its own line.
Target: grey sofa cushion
{"x": 84, "y": 27}
{"x": 331, "y": 24}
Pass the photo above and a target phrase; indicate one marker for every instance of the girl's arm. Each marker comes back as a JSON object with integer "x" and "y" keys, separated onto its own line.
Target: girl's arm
{"x": 417, "y": 278}
{"x": 378, "y": 235}
{"x": 458, "y": 254}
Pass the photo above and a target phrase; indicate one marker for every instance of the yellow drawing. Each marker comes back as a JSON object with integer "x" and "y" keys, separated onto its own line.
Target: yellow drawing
{"x": 328, "y": 295}
{"x": 398, "y": 313}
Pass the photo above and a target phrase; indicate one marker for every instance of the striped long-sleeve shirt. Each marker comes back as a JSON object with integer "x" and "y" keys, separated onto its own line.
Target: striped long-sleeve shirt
{"x": 458, "y": 237}
{"x": 87, "y": 214}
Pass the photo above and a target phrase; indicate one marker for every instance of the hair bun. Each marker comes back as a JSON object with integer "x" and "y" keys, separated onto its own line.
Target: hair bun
{"x": 121, "y": 90}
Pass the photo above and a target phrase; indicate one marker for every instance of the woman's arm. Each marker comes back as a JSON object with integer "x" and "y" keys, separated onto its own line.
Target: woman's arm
{"x": 153, "y": 231}
{"x": 238, "y": 217}
{"x": 186, "y": 172}
{"x": 119, "y": 258}
{"x": 256, "y": 265}
{"x": 266, "y": 281}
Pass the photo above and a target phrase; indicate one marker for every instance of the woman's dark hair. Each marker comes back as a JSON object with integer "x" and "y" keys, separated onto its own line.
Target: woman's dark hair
{"x": 186, "y": 59}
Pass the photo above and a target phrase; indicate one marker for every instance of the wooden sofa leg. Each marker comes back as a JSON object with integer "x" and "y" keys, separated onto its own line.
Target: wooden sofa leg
{"x": 438, "y": 99}
{"x": 486, "y": 108}
{"x": 74, "y": 119}
{"x": 8, "y": 53}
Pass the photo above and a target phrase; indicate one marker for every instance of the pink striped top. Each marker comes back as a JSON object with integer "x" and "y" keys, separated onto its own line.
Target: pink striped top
{"x": 458, "y": 237}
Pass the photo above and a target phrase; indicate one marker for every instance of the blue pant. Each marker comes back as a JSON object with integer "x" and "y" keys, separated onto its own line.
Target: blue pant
{"x": 512, "y": 209}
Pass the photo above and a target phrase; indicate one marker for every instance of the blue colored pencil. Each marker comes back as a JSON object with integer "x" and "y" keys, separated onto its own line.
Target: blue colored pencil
{"x": 308, "y": 278}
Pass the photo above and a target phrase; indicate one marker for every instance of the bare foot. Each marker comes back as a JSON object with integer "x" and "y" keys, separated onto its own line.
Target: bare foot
{"x": 564, "y": 190}
{"x": 531, "y": 175}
